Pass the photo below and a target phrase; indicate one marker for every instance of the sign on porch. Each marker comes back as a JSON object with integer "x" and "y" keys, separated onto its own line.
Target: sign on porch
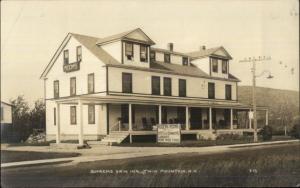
{"x": 168, "y": 133}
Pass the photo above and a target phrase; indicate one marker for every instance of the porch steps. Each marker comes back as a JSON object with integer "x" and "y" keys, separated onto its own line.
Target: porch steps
{"x": 112, "y": 138}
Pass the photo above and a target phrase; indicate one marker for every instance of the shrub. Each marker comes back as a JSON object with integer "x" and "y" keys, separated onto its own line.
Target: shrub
{"x": 266, "y": 133}
{"x": 229, "y": 137}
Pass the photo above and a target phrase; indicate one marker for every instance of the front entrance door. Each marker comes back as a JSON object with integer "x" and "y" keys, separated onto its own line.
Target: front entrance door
{"x": 196, "y": 118}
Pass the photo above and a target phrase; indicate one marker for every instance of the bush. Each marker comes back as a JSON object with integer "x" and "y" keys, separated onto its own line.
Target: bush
{"x": 229, "y": 137}
{"x": 295, "y": 132}
{"x": 266, "y": 133}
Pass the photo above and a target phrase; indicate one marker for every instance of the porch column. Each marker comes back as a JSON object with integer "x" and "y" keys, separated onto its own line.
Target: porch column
{"x": 80, "y": 123}
{"x": 231, "y": 119}
{"x": 250, "y": 121}
{"x": 159, "y": 114}
{"x": 58, "y": 123}
{"x": 210, "y": 118}
{"x": 130, "y": 117}
{"x": 187, "y": 121}
{"x": 267, "y": 117}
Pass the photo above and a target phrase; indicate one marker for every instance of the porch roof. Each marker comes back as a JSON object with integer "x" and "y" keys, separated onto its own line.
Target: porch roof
{"x": 157, "y": 100}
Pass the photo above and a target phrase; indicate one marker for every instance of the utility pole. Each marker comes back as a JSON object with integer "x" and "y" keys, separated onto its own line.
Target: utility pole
{"x": 254, "y": 76}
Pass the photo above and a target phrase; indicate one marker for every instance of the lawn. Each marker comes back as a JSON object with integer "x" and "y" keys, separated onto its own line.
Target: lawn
{"x": 271, "y": 166}
{"x": 14, "y": 156}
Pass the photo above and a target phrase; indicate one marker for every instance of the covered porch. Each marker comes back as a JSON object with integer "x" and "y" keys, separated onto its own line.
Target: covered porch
{"x": 141, "y": 115}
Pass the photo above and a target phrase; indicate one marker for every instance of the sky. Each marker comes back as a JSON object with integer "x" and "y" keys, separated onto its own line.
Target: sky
{"x": 31, "y": 31}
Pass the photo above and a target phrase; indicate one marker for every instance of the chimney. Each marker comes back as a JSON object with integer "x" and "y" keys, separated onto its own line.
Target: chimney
{"x": 202, "y": 47}
{"x": 170, "y": 47}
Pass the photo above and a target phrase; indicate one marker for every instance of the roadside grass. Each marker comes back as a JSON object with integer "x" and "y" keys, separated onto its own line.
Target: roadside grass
{"x": 268, "y": 166}
{"x": 15, "y": 156}
{"x": 151, "y": 142}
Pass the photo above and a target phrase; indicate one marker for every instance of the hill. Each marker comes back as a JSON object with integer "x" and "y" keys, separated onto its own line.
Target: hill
{"x": 283, "y": 104}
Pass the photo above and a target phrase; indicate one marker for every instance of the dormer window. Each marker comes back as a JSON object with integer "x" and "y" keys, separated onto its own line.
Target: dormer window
{"x": 214, "y": 64}
{"x": 152, "y": 56}
{"x": 224, "y": 66}
{"x": 143, "y": 53}
{"x": 167, "y": 58}
{"x": 66, "y": 57}
{"x": 78, "y": 54}
{"x": 185, "y": 61}
{"x": 129, "y": 51}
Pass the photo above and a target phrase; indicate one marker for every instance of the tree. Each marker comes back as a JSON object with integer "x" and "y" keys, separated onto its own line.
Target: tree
{"x": 21, "y": 119}
{"x": 37, "y": 115}
{"x": 26, "y": 119}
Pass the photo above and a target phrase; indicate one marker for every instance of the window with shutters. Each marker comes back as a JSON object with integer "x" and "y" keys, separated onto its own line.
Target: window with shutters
{"x": 129, "y": 50}
{"x": 91, "y": 114}
{"x": 72, "y": 86}
{"x": 167, "y": 87}
{"x": 211, "y": 90}
{"x": 66, "y": 57}
{"x": 73, "y": 115}
{"x": 91, "y": 84}
{"x": 155, "y": 85}
{"x": 126, "y": 82}
{"x": 143, "y": 53}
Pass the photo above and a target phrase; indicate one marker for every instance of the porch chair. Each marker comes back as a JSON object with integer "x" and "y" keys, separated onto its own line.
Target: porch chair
{"x": 176, "y": 121}
{"x": 153, "y": 122}
{"x": 145, "y": 124}
{"x": 170, "y": 121}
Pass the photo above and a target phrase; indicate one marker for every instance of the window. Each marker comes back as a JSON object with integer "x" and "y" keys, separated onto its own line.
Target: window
{"x": 143, "y": 53}
{"x": 182, "y": 88}
{"x": 167, "y": 58}
{"x": 56, "y": 88}
{"x": 167, "y": 87}
{"x": 125, "y": 113}
{"x": 78, "y": 54}
{"x": 2, "y": 113}
{"x": 91, "y": 83}
{"x": 126, "y": 83}
{"x": 73, "y": 115}
{"x": 228, "y": 92}
{"x": 152, "y": 56}
{"x": 72, "y": 86}
{"x": 91, "y": 114}
{"x": 155, "y": 85}
{"x": 211, "y": 90}
{"x": 129, "y": 50}
{"x": 214, "y": 64}
{"x": 224, "y": 66}
{"x": 185, "y": 61}
{"x": 54, "y": 116}
{"x": 66, "y": 56}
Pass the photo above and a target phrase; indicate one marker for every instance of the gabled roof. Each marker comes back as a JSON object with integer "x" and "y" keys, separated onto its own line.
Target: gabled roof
{"x": 208, "y": 52}
{"x": 90, "y": 43}
{"x": 121, "y": 36}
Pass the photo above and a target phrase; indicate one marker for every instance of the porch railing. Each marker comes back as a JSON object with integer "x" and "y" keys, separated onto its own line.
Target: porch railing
{"x": 116, "y": 127}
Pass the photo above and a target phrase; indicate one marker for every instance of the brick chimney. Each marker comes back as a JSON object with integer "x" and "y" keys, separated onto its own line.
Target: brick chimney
{"x": 170, "y": 46}
{"x": 202, "y": 47}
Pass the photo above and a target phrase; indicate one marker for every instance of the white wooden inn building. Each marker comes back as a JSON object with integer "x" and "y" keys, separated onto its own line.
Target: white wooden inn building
{"x": 95, "y": 87}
